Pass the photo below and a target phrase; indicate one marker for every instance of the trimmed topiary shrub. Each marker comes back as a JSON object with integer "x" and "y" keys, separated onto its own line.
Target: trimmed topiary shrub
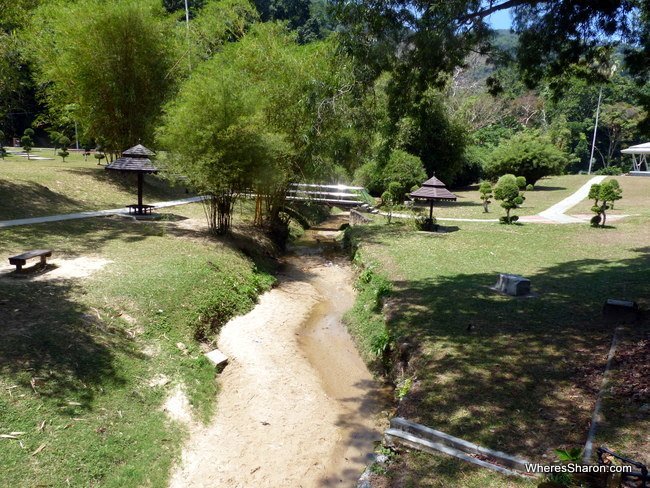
{"x": 507, "y": 191}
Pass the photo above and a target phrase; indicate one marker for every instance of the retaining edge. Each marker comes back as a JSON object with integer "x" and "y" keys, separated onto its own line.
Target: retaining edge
{"x": 420, "y": 436}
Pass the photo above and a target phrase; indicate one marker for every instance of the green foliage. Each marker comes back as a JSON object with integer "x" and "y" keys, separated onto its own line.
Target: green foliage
{"x": 391, "y": 197}
{"x": 604, "y": 196}
{"x": 426, "y": 224}
{"x": 380, "y": 344}
{"x": 366, "y": 321}
{"x": 528, "y": 154}
{"x": 26, "y": 141}
{"x": 64, "y": 143}
{"x": 422, "y": 125}
{"x": 594, "y": 193}
{"x": 485, "y": 189}
{"x": 112, "y": 63}
{"x": 402, "y": 168}
{"x": 219, "y": 22}
{"x": 507, "y": 191}
{"x": 573, "y": 455}
{"x": 521, "y": 182}
{"x": 261, "y": 112}
{"x": 404, "y": 388}
{"x": 530, "y": 187}
{"x": 619, "y": 121}
{"x": 610, "y": 171}
{"x": 566, "y": 456}
{"x": 54, "y": 138}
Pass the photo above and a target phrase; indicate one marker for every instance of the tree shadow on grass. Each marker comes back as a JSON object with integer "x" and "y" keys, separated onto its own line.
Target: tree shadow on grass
{"x": 154, "y": 187}
{"x": 542, "y": 187}
{"x": 509, "y": 373}
{"x": 55, "y": 345}
{"x": 76, "y": 237}
{"x": 459, "y": 203}
{"x": 29, "y": 199}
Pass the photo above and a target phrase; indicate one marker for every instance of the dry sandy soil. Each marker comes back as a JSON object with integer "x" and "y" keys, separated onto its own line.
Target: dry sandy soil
{"x": 297, "y": 406}
{"x": 57, "y": 269}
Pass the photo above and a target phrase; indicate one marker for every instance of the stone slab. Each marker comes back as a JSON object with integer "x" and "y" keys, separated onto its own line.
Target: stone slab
{"x": 217, "y": 358}
{"x": 513, "y": 285}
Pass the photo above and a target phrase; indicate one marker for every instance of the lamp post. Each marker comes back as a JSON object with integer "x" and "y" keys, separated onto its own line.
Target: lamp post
{"x": 593, "y": 141}
{"x": 187, "y": 26}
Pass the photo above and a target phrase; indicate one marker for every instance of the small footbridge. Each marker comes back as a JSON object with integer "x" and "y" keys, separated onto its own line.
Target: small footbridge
{"x": 331, "y": 195}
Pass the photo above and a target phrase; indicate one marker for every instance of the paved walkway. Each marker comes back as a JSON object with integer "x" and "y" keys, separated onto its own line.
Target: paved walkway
{"x": 556, "y": 213}
{"x": 97, "y": 213}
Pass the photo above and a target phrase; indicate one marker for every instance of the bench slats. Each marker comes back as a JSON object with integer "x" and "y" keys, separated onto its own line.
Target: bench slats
{"x": 20, "y": 260}
{"x": 31, "y": 254}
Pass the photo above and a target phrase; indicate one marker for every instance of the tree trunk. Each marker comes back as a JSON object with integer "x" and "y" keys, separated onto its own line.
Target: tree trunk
{"x": 508, "y": 215}
{"x": 485, "y": 206}
{"x": 604, "y": 212}
{"x": 259, "y": 210}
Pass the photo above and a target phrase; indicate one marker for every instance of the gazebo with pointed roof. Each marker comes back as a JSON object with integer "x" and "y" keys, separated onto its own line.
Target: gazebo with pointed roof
{"x": 433, "y": 190}
{"x": 136, "y": 160}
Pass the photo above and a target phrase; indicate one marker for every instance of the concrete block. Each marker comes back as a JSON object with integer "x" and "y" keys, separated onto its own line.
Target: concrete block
{"x": 513, "y": 285}
{"x": 217, "y": 358}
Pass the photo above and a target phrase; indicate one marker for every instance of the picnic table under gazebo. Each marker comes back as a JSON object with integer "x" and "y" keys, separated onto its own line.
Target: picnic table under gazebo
{"x": 136, "y": 160}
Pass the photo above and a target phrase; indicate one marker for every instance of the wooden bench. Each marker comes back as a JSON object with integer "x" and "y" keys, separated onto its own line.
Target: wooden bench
{"x": 20, "y": 260}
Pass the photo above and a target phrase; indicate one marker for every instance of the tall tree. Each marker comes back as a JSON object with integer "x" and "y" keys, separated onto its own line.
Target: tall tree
{"x": 260, "y": 113}
{"x": 554, "y": 34}
{"x": 423, "y": 42}
{"x": 17, "y": 92}
{"x": 112, "y": 61}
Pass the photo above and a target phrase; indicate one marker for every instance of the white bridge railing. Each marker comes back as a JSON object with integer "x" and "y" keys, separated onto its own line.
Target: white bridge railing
{"x": 339, "y": 195}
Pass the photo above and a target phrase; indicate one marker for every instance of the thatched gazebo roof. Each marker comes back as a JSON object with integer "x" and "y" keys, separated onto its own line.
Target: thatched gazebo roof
{"x": 433, "y": 190}
{"x": 136, "y": 160}
{"x": 138, "y": 151}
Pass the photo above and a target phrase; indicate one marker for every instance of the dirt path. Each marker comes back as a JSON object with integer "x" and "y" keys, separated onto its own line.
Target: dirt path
{"x": 297, "y": 406}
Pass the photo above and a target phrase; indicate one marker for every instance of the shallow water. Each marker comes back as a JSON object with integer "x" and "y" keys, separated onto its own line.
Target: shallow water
{"x": 363, "y": 401}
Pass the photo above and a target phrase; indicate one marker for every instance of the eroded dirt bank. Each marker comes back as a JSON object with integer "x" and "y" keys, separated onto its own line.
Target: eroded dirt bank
{"x": 297, "y": 406}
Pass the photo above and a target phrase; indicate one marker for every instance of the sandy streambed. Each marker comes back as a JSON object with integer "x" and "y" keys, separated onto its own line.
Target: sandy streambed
{"x": 297, "y": 406}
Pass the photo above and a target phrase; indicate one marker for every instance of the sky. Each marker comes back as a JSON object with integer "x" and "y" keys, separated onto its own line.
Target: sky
{"x": 500, "y": 19}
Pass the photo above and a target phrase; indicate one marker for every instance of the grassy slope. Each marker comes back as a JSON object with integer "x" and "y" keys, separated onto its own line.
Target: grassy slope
{"x": 635, "y": 201}
{"x": 547, "y": 192}
{"x": 523, "y": 379}
{"x": 92, "y": 345}
{"x": 35, "y": 188}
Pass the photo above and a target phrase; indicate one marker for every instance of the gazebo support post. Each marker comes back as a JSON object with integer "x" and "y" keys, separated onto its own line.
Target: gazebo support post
{"x": 431, "y": 210}
{"x": 140, "y": 191}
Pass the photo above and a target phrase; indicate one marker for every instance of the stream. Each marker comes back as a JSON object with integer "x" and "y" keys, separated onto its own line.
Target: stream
{"x": 297, "y": 406}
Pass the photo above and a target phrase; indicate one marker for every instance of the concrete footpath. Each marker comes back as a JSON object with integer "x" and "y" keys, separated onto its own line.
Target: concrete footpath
{"x": 85, "y": 215}
{"x": 557, "y": 212}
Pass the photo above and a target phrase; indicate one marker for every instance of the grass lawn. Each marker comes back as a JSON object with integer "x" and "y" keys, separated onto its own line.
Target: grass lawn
{"x": 80, "y": 356}
{"x": 524, "y": 377}
{"x": 547, "y": 192}
{"x": 35, "y": 188}
{"x": 635, "y": 201}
